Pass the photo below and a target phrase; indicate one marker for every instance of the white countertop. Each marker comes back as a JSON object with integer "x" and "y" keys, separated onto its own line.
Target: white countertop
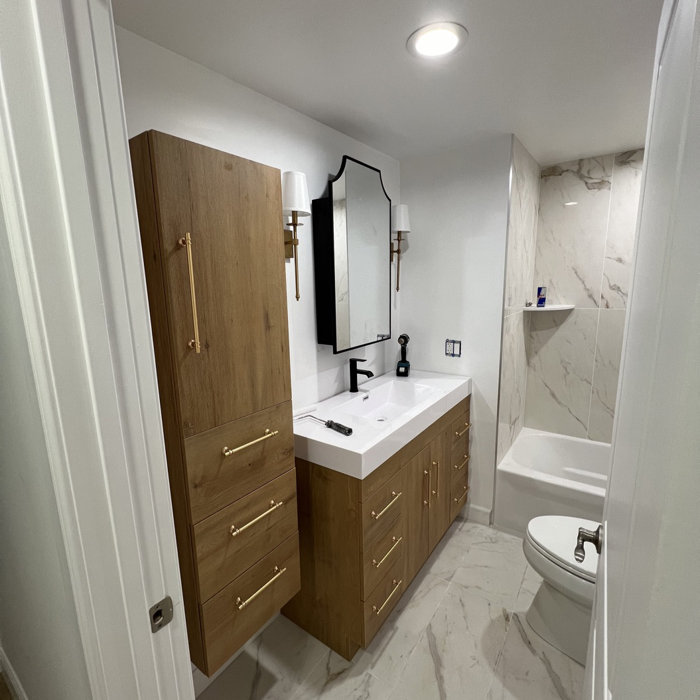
{"x": 386, "y": 414}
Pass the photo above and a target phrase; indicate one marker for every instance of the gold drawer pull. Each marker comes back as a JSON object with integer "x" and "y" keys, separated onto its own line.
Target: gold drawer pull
{"x": 273, "y": 506}
{"x": 376, "y": 564}
{"x": 436, "y": 490}
{"x": 466, "y": 427}
{"x": 396, "y": 585}
{"x": 186, "y": 242}
{"x": 461, "y": 466}
{"x": 395, "y": 498}
{"x": 457, "y": 500}
{"x": 228, "y": 451}
{"x": 240, "y": 604}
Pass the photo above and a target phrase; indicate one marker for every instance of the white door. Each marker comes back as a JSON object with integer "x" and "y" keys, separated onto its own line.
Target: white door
{"x": 645, "y": 640}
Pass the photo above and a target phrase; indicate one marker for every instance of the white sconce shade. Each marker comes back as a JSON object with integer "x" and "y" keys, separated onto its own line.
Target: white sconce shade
{"x": 295, "y": 194}
{"x": 399, "y": 218}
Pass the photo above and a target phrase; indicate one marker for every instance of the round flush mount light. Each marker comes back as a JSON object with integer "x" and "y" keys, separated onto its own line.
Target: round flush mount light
{"x": 437, "y": 39}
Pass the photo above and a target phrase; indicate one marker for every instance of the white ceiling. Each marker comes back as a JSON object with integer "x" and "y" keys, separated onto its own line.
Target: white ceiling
{"x": 570, "y": 78}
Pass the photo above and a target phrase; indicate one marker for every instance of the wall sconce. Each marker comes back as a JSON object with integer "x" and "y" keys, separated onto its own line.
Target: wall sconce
{"x": 399, "y": 225}
{"x": 295, "y": 203}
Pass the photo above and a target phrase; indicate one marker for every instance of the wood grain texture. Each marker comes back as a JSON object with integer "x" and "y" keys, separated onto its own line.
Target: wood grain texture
{"x": 340, "y": 538}
{"x": 381, "y": 552}
{"x": 232, "y": 208}
{"x": 385, "y": 505}
{"x": 215, "y": 480}
{"x": 222, "y": 557}
{"x": 385, "y": 596}
{"x": 328, "y": 605}
{"x": 166, "y": 369}
{"x": 417, "y": 511}
{"x": 440, "y": 477}
{"x": 226, "y": 628}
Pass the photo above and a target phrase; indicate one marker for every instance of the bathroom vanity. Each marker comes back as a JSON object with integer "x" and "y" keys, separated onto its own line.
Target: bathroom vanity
{"x": 373, "y": 506}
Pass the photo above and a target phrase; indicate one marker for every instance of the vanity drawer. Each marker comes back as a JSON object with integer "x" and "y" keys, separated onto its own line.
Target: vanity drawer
{"x": 381, "y": 555}
{"x": 237, "y": 612}
{"x": 459, "y": 430}
{"x": 233, "y": 539}
{"x": 458, "y": 493}
{"x": 383, "y": 508}
{"x": 459, "y": 465}
{"x": 383, "y": 599}
{"x": 261, "y": 448}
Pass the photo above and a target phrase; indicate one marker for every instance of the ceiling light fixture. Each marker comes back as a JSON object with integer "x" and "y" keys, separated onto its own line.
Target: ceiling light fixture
{"x": 437, "y": 39}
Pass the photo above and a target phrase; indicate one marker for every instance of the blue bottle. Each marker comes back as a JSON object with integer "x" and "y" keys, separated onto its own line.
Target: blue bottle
{"x": 541, "y": 297}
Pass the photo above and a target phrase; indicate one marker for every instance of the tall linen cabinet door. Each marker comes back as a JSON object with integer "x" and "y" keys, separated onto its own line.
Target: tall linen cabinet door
{"x": 233, "y": 269}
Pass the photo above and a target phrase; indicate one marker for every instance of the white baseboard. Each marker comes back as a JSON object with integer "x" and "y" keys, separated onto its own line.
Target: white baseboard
{"x": 479, "y": 514}
{"x": 11, "y": 677}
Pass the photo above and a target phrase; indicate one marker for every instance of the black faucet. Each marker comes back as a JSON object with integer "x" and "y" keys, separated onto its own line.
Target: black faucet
{"x": 354, "y": 372}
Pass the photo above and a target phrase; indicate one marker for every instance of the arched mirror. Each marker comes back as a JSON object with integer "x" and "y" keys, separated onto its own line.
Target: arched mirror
{"x": 352, "y": 235}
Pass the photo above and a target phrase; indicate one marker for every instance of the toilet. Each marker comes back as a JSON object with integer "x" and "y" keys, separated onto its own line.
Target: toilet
{"x": 561, "y": 610}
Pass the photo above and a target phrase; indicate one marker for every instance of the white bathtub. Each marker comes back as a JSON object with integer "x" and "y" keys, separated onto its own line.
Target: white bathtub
{"x": 549, "y": 474}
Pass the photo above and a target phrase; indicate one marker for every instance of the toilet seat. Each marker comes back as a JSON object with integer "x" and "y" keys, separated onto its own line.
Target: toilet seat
{"x": 554, "y": 537}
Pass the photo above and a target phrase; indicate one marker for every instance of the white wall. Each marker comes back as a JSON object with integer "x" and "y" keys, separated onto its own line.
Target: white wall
{"x": 167, "y": 92}
{"x": 452, "y": 280}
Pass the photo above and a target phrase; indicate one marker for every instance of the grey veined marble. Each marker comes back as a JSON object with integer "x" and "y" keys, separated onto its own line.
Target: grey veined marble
{"x": 583, "y": 255}
{"x": 458, "y": 632}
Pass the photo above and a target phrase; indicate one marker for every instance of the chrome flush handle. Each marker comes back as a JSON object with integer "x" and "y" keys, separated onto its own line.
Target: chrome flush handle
{"x": 596, "y": 537}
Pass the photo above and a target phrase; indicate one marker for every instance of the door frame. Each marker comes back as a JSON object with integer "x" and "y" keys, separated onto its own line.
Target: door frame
{"x": 68, "y": 204}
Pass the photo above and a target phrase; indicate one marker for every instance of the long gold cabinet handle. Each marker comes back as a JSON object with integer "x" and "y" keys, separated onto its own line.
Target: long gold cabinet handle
{"x": 464, "y": 464}
{"x": 273, "y": 507}
{"x": 466, "y": 427}
{"x": 228, "y": 451}
{"x": 427, "y": 473}
{"x": 459, "y": 498}
{"x": 436, "y": 492}
{"x": 240, "y": 603}
{"x": 395, "y": 498}
{"x": 186, "y": 242}
{"x": 396, "y": 584}
{"x": 376, "y": 564}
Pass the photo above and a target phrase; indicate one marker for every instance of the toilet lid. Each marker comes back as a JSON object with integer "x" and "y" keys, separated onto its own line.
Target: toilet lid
{"x": 555, "y": 536}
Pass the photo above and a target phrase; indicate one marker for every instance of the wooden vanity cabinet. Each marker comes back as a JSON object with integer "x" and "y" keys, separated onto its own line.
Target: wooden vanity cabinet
{"x": 211, "y": 233}
{"x": 363, "y": 541}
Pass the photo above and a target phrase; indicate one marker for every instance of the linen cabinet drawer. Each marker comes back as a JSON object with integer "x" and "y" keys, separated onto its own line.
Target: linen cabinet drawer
{"x": 381, "y": 555}
{"x": 232, "y": 540}
{"x": 382, "y": 508}
{"x": 237, "y": 612}
{"x": 228, "y": 462}
{"x": 383, "y": 599}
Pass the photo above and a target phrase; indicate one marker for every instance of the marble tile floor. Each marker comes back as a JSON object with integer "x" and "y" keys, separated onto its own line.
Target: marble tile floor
{"x": 458, "y": 632}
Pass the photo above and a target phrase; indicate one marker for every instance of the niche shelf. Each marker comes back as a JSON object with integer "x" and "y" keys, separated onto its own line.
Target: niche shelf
{"x": 551, "y": 307}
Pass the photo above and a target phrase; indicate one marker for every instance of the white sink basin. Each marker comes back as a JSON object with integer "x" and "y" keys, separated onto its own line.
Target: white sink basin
{"x": 387, "y": 401}
{"x": 386, "y": 414}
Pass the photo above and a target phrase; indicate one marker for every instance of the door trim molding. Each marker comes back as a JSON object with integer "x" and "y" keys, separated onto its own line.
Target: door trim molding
{"x": 67, "y": 197}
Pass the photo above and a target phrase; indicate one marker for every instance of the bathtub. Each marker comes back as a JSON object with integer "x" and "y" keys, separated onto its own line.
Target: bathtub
{"x": 549, "y": 474}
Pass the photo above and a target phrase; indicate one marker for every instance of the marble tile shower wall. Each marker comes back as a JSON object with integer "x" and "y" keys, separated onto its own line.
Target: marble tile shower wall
{"x": 585, "y": 241}
{"x": 520, "y": 263}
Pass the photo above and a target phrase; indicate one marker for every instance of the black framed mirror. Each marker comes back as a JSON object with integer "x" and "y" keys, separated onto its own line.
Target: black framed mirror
{"x": 352, "y": 238}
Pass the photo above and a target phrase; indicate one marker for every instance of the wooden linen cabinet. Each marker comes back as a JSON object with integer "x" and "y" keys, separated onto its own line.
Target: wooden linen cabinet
{"x": 211, "y": 232}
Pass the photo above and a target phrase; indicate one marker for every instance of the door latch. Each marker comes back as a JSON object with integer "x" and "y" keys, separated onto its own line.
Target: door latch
{"x": 161, "y": 613}
{"x": 596, "y": 537}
